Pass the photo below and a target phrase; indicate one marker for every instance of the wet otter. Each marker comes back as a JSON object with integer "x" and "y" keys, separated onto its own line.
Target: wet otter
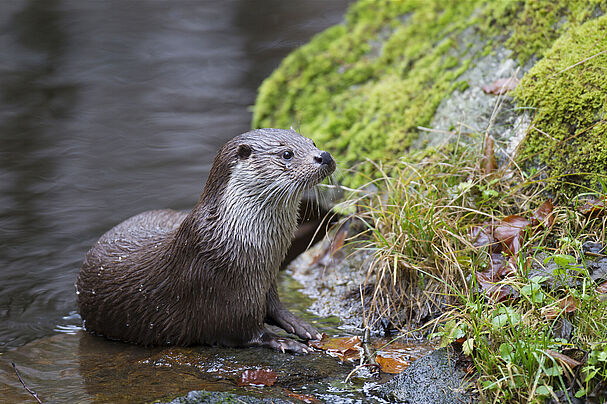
{"x": 208, "y": 277}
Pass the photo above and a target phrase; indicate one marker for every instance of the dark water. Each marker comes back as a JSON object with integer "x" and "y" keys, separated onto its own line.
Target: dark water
{"x": 110, "y": 108}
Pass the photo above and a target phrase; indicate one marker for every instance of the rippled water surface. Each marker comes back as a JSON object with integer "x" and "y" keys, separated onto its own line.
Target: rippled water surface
{"x": 110, "y": 108}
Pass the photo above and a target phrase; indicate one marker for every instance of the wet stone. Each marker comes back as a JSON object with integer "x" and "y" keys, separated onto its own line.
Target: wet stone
{"x": 433, "y": 378}
{"x": 212, "y": 397}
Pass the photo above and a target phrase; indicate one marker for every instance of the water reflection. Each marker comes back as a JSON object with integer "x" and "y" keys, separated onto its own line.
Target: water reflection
{"x": 110, "y": 108}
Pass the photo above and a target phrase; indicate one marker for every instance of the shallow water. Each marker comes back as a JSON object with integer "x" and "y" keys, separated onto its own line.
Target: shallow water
{"x": 110, "y": 108}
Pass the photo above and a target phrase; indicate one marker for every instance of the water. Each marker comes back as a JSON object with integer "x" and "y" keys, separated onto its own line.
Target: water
{"x": 110, "y": 108}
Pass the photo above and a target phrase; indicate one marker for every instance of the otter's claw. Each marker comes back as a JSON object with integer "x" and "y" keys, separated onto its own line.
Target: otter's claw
{"x": 291, "y": 324}
{"x": 269, "y": 340}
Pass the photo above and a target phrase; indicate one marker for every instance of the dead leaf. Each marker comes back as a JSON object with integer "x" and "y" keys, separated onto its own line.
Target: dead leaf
{"x": 390, "y": 364}
{"x": 563, "y": 359}
{"x": 396, "y": 356}
{"x": 488, "y": 161}
{"x": 306, "y": 398}
{"x": 510, "y": 231}
{"x": 501, "y": 86}
{"x": 593, "y": 206}
{"x": 481, "y": 235}
{"x": 344, "y": 348}
{"x": 602, "y": 288}
{"x": 567, "y": 304}
{"x": 494, "y": 291}
{"x": 257, "y": 377}
{"x": 550, "y": 312}
{"x": 543, "y": 215}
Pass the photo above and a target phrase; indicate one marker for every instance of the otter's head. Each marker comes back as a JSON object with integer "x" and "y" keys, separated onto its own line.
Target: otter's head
{"x": 268, "y": 166}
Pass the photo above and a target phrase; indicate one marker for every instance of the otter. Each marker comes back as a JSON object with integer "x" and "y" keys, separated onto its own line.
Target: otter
{"x": 208, "y": 277}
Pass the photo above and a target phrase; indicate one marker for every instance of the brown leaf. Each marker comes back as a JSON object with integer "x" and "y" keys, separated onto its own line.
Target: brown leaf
{"x": 488, "y": 161}
{"x": 481, "y": 235}
{"x": 594, "y": 206}
{"x": 543, "y": 215}
{"x": 396, "y": 356}
{"x": 567, "y": 304}
{"x": 345, "y": 348}
{"x": 257, "y": 377}
{"x": 390, "y": 364}
{"x": 602, "y": 288}
{"x": 306, "y": 398}
{"x": 550, "y": 312}
{"x": 501, "y": 86}
{"x": 510, "y": 232}
{"x": 563, "y": 360}
{"x": 495, "y": 292}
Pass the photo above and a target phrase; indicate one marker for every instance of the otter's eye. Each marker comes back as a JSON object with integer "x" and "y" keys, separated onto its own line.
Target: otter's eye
{"x": 288, "y": 155}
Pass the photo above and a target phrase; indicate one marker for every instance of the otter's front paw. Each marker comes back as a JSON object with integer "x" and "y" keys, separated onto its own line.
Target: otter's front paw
{"x": 291, "y": 324}
{"x": 269, "y": 340}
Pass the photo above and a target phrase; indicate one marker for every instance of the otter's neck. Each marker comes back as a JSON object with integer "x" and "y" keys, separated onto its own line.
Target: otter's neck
{"x": 240, "y": 227}
{"x": 258, "y": 217}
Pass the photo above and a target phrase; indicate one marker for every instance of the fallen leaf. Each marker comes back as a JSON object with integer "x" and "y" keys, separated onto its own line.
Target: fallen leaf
{"x": 551, "y": 312}
{"x": 563, "y": 359}
{"x": 510, "y": 231}
{"x": 344, "y": 348}
{"x": 481, "y": 235}
{"x": 568, "y": 304}
{"x": 396, "y": 356}
{"x": 306, "y": 398}
{"x": 257, "y": 377}
{"x": 602, "y": 288}
{"x": 488, "y": 161}
{"x": 494, "y": 291}
{"x": 501, "y": 86}
{"x": 390, "y": 364}
{"x": 543, "y": 215}
{"x": 593, "y": 206}
{"x": 565, "y": 305}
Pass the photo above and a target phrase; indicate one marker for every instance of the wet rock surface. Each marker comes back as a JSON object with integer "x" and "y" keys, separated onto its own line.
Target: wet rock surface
{"x": 434, "y": 378}
{"x": 334, "y": 283}
{"x": 212, "y": 397}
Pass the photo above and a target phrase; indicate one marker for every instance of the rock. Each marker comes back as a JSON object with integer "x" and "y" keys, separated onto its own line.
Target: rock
{"x": 213, "y": 397}
{"x": 433, "y": 378}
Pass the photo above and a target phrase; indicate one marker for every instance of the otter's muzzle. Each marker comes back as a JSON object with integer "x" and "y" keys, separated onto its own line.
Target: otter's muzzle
{"x": 325, "y": 159}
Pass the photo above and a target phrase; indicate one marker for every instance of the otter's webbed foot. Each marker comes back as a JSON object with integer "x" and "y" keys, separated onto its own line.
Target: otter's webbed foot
{"x": 269, "y": 340}
{"x": 292, "y": 324}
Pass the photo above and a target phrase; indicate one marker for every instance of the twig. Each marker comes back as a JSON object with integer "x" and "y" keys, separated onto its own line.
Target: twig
{"x": 32, "y": 392}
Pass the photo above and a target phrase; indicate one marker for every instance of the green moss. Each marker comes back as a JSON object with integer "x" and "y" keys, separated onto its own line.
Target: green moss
{"x": 568, "y": 90}
{"x": 362, "y": 88}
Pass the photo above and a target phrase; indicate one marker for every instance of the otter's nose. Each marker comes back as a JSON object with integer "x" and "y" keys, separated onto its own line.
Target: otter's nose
{"x": 324, "y": 158}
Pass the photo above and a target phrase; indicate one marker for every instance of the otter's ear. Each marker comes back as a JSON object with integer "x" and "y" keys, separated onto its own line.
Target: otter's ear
{"x": 244, "y": 151}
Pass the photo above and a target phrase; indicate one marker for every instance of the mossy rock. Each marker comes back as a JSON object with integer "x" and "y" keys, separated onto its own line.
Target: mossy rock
{"x": 364, "y": 87}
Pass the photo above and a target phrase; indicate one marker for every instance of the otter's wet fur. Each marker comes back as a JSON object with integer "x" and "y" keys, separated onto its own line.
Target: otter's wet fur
{"x": 209, "y": 276}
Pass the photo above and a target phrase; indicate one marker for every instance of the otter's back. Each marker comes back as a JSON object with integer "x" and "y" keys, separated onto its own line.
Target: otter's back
{"x": 115, "y": 266}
